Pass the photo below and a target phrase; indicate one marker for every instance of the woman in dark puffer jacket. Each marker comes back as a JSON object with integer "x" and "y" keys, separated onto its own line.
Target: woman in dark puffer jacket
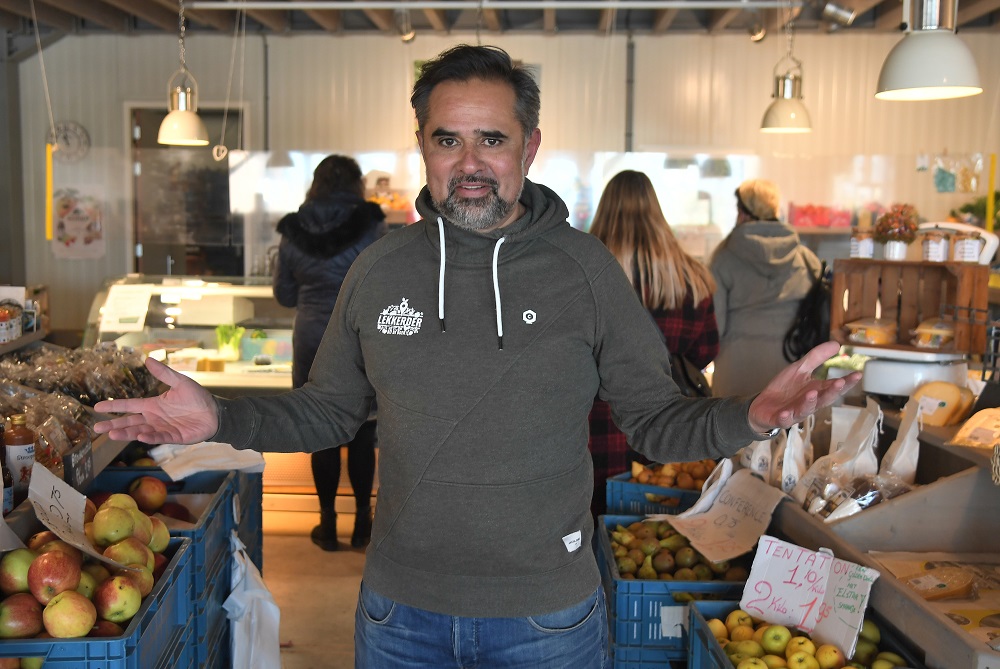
{"x": 318, "y": 244}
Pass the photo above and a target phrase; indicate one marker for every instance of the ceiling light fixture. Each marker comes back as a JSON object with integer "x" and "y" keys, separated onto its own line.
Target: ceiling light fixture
{"x": 755, "y": 26}
{"x": 838, "y": 14}
{"x": 787, "y": 113}
{"x": 405, "y": 26}
{"x": 182, "y": 126}
{"x": 930, "y": 62}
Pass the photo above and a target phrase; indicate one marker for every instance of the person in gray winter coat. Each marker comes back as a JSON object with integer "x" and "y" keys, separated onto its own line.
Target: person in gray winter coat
{"x": 318, "y": 245}
{"x": 761, "y": 272}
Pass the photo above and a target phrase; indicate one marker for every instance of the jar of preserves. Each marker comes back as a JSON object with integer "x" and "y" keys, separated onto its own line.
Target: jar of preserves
{"x": 862, "y": 244}
{"x": 936, "y": 245}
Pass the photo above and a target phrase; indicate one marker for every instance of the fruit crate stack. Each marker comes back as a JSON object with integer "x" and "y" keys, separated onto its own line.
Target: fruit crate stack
{"x": 713, "y": 645}
{"x": 646, "y": 614}
{"x": 211, "y": 560}
{"x": 158, "y": 636}
{"x": 654, "y": 489}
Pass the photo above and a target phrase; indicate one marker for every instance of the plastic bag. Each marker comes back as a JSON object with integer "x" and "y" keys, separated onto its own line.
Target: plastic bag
{"x": 901, "y": 458}
{"x": 254, "y": 616}
{"x": 790, "y": 462}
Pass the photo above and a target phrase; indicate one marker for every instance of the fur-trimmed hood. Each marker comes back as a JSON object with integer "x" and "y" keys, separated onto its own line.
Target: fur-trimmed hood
{"x": 325, "y": 227}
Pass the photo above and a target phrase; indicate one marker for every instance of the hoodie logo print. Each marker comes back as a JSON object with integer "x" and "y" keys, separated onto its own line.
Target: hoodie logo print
{"x": 529, "y": 317}
{"x": 400, "y": 319}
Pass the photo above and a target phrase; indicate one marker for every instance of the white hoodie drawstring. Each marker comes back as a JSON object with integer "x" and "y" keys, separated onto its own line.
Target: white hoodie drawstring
{"x": 441, "y": 274}
{"x": 496, "y": 293}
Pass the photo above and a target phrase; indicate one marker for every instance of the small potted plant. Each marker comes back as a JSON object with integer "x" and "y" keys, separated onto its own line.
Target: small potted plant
{"x": 895, "y": 229}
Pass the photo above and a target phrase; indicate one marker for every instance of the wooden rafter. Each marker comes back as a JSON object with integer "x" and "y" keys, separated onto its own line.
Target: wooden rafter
{"x": 606, "y": 21}
{"x": 720, "y": 19}
{"x": 438, "y": 19}
{"x": 10, "y": 21}
{"x": 95, "y": 12}
{"x": 382, "y": 18}
{"x": 491, "y": 19}
{"x": 219, "y": 20}
{"x": 969, "y": 11}
{"x": 663, "y": 18}
{"x": 160, "y": 17}
{"x": 271, "y": 19}
{"x": 328, "y": 19}
{"x": 549, "y": 21}
{"x": 54, "y": 18}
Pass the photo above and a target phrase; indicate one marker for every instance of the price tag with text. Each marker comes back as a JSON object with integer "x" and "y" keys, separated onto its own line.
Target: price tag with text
{"x": 787, "y": 585}
{"x": 61, "y": 509}
{"x": 736, "y": 520}
{"x": 847, "y": 593}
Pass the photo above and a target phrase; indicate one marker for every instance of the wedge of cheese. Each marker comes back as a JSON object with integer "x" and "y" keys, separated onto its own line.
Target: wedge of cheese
{"x": 968, "y": 399}
{"x": 941, "y": 583}
{"x": 940, "y": 402}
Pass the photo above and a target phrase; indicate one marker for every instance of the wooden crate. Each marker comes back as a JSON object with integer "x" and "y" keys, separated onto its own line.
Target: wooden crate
{"x": 910, "y": 292}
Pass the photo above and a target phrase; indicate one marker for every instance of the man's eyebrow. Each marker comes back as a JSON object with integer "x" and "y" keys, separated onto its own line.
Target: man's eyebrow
{"x": 491, "y": 134}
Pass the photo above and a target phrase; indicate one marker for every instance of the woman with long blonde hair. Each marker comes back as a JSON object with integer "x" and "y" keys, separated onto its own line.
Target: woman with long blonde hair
{"x": 675, "y": 287}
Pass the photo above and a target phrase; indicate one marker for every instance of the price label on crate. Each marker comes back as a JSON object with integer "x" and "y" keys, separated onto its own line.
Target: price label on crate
{"x": 737, "y": 518}
{"x": 61, "y": 508}
{"x": 809, "y": 590}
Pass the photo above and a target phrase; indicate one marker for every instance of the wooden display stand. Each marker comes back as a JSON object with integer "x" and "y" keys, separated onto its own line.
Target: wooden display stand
{"x": 910, "y": 292}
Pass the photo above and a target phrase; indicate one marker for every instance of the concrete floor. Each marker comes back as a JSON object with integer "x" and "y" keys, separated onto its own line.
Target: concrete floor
{"x": 316, "y": 591}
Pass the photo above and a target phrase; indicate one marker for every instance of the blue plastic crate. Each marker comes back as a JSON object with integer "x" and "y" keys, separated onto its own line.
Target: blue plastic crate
{"x": 626, "y": 657}
{"x": 634, "y": 606}
{"x": 217, "y": 645}
{"x": 705, "y": 652}
{"x": 250, "y": 491}
{"x": 208, "y": 611}
{"x": 158, "y": 636}
{"x": 628, "y": 498}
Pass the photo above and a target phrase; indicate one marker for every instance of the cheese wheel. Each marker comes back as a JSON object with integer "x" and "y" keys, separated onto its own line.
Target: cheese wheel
{"x": 939, "y": 401}
{"x": 968, "y": 399}
{"x": 941, "y": 583}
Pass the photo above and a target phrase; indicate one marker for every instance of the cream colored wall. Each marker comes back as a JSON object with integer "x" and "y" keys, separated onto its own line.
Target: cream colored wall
{"x": 351, "y": 94}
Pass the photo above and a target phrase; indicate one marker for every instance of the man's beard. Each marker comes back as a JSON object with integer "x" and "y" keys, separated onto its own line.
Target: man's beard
{"x": 475, "y": 214}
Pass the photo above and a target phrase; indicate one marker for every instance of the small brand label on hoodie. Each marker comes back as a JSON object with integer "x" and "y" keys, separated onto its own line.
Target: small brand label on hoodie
{"x": 400, "y": 319}
{"x": 573, "y": 541}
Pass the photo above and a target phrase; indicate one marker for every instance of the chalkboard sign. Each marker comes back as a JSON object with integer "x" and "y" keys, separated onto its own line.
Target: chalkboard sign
{"x": 78, "y": 466}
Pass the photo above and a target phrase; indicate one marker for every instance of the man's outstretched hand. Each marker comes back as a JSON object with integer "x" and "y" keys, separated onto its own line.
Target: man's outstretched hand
{"x": 794, "y": 394}
{"x": 185, "y": 414}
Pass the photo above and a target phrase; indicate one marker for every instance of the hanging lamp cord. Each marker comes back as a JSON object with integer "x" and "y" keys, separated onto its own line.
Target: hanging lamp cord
{"x": 180, "y": 32}
{"x": 45, "y": 79}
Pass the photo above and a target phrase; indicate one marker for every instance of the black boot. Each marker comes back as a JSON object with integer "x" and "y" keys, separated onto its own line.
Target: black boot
{"x": 324, "y": 535}
{"x": 362, "y": 527}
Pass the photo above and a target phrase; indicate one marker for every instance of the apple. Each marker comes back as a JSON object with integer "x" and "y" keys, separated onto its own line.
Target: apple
{"x": 830, "y": 657}
{"x": 141, "y": 575}
{"x": 144, "y": 462}
{"x": 97, "y": 570}
{"x": 128, "y": 551}
{"x": 51, "y": 573}
{"x": 800, "y": 659}
{"x": 111, "y": 525}
{"x": 160, "y": 562}
{"x": 148, "y": 492}
{"x": 891, "y": 657}
{"x": 117, "y": 599}
{"x": 747, "y": 647}
{"x": 869, "y": 630}
{"x": 178, "y": 511}
{"x": 87, "y": 584}
{"x": 719, "y": 630}
{"x": 20, "y": 616}
{"x": 751, "y": 663}
{"x": 120, "y": 500}
{"x": 32, "y": 662}
{"x": 60, "y": 545}
{"x": 39, "y": 538}
{"x": 14, "y": 570}
{"x": 69, "y": 615}
{"x": 143, "y": 526}
{"x": 10, "y": 663}
{"x": 89, "y": 510}
{"x": 106, "y": 628}
{"x": 882, "y": 664}
{"x": 160, "y": 536}
{"x": 88, "y": 531}
{"x": 774, "y": 661}
{"x": 741, "y": 633}
{"x": 797, "y": 643}
{"x": 738, "y": 617}
{"x": 758, "y": 633}
{"x": 776, "y": 639}
{"x": 99, "y": 498}
{"x": 865, "y": 651}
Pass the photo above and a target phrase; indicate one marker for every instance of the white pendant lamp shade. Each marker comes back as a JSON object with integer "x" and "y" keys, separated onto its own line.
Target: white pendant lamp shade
{"x": 183, "y": 126}
{"x": 930, "y": 62}
{"x": 929, "y": 65}
{"x": 787, "y": 114}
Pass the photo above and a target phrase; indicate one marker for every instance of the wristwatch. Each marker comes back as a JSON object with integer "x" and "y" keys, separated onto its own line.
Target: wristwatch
{"x": 770, "y": 434}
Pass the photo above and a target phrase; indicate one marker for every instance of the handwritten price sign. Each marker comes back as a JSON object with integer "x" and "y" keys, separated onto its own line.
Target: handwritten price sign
{"x": 810, "y": 590}
{"x": 739, "y": 515}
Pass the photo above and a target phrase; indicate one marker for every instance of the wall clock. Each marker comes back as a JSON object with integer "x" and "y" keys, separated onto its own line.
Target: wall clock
{"x": 71, "y": 141}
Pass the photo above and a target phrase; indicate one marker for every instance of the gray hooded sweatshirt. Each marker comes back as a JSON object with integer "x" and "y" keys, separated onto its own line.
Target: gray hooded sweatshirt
{"x": 485, "y": 361}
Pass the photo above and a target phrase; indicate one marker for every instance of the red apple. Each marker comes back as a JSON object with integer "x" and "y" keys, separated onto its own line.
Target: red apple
{"x": 14, "y": 570}
{"x": 99, "y": 498}
{"x": 128, "y": 551}
{"x": 60, "y": 545}
{"x": 106, "y": 628}
{"x": 178, "y": 511}
{"x": 20, "y": 616}
{"x": 160, "y": 537}
{"x": 120, "y": 500}
{"x": 39, "y": 538}
{"x": 51, "y": 573}
{"x": 149, "y": 493}
{"x": 160, "y": 562}
{"x": 69, "y": 615}
{"x": 112, "y": 524}
{"x": 89, "y": 510}
{"x": 117, "y": 599}
{"x": 10, "y": 663}
{"x": 141, "y": 575}
{"x": 144, "y": 462}
{"x": 97, "y": 570}
{"x": 142, "y": 526}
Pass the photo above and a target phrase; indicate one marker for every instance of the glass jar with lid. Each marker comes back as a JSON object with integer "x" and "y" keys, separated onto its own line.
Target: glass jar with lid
{"x": 862, "y": 244}
{"x": 936, "y": 245}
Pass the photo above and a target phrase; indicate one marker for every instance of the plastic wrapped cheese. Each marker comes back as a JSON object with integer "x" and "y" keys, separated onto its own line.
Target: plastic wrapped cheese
{"x": 942, "y": 583}
{"x": 872, "y": 331}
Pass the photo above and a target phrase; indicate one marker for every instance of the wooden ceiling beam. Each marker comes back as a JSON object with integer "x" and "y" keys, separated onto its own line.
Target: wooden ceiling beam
{"x": 491, "y": 19}
{"x": 222, "y": 21}
{"x": 54, "y": 18}
{"x": 969, "y": 11}
{"x": 606, "y": 21}
{"x": 272, "y": 19}
{"x": 382, "y": 18}
{"x": 95, "y": 12}
{"x": 438, "y": 19}
{"x": 719, "y": 19}
{"x": 662, "y": 18}
{"x": 328, "y": 19}
{"x": 10, "y": 22}
{"x": 889, "y": 15}
{"x": 159, "y": 16}
{"x": 549, "y": 24}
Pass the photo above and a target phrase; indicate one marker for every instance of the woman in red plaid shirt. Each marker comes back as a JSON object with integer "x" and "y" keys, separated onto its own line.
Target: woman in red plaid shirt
{"x": 675, "y": 288}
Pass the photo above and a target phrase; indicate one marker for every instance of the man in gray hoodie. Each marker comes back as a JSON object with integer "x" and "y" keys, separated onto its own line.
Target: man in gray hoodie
{"x": 484, "y": 330}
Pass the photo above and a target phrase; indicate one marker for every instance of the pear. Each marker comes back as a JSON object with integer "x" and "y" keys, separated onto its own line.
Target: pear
{"x": 626, "y": 565}
{"x": 663, "y": 562}
{"x": 646, "y": 571}
{"x": 649, "y": 545}
{"x": 674, "y": 542}
{"x": 870, "y": 631}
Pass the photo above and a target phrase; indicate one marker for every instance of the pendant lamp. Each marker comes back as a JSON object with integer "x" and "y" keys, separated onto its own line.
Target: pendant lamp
{"x": 182, "y": 126}
{"x": 930, "y": 62}
{"x": 787, "y": 114}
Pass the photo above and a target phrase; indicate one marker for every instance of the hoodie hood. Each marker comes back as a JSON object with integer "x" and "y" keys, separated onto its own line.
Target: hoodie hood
{"x": 326, "y": 226}
{"x": 543, "y": 212}
{"x": 769, "y": 247}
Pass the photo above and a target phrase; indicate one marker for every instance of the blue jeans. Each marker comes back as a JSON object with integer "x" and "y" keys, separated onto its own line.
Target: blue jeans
{"x": 390, "y": 635}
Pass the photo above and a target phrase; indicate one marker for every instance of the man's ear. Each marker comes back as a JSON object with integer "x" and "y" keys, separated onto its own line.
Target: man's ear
{"x": 531, "y": 148}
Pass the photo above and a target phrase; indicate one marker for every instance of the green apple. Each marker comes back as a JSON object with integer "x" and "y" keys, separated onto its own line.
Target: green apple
{"x": 865, "y": 651}
{"x": 120, "y": 500}
{"x": 882, "y": 664}
{"x": 751, "y": 663}
{"x": 800, "y": 659}
{"x": 776, "y": 639}
{"x": 112, "y": 524}
{"x": 830, "y": 657}
{"x": 774, "y": 661}
{"x": 748, "y": 648}
{"x": 892, "y": 657}
{"x": 799, "y": 643}
{"x": 870, "y": 631}
{"x": 738, "y": 617}
{"x": 87, "y": 584}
